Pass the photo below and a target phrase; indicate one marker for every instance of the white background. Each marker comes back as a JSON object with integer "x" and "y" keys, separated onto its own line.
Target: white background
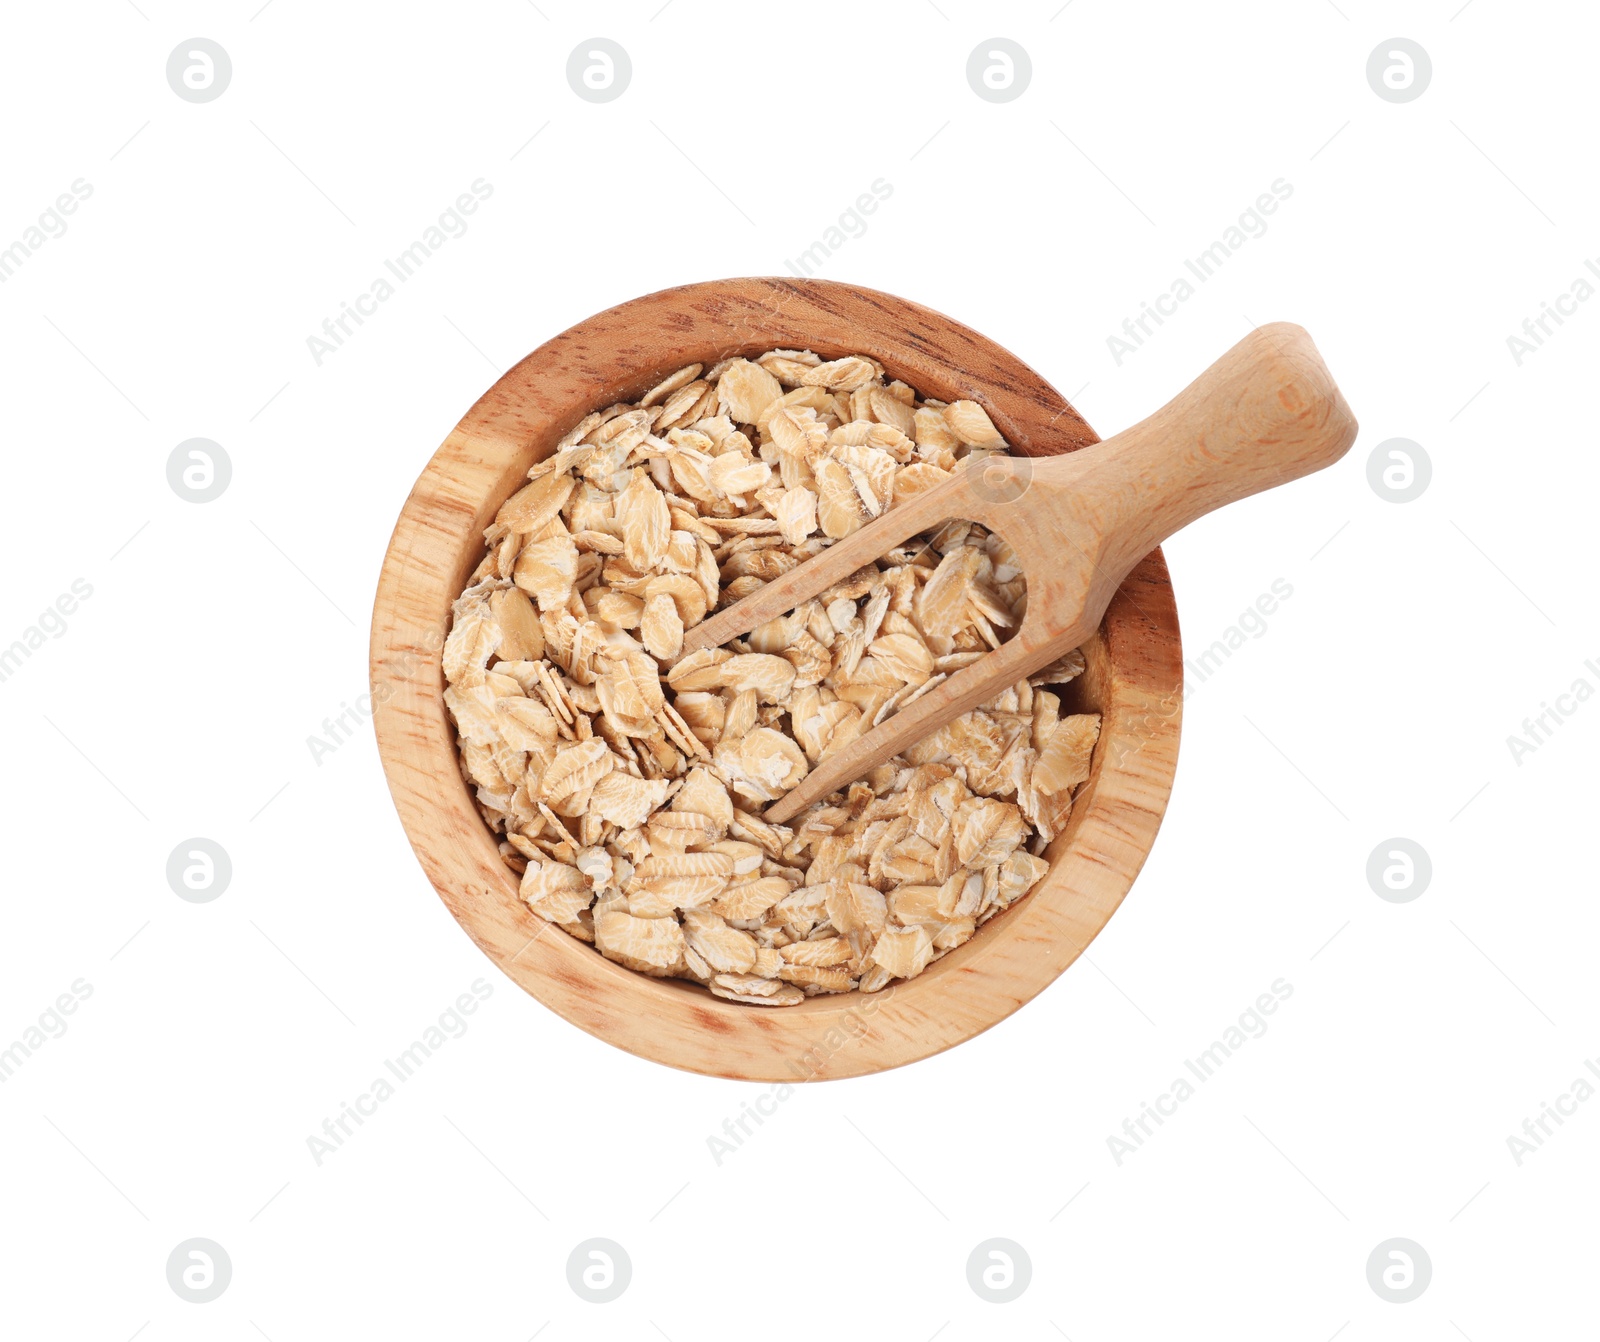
{"x": 179, "y": 699}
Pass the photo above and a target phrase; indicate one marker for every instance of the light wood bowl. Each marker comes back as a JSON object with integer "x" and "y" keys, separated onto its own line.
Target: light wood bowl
{"x": 1134, "y": 680}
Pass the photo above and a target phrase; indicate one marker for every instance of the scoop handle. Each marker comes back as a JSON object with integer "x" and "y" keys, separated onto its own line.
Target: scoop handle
{"x": 1267, "y": 412}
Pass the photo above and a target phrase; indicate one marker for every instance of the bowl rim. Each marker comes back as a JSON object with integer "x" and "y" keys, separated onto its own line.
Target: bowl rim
{"x": 617, "y": 355}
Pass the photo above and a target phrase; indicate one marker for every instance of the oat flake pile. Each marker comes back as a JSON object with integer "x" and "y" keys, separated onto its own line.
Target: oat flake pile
{"x": 626, "y": 786}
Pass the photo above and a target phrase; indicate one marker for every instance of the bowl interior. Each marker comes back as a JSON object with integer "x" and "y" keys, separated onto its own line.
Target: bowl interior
{"x": 1133, "y": 679}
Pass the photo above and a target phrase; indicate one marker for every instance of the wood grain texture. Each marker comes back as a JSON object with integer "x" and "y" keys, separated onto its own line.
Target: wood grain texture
{"x": 1134, "y": 679}
{"x": 1265, "y": 413}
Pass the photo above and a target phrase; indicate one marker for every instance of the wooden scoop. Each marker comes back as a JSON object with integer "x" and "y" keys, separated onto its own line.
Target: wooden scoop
{"x": 1265, "y": 413}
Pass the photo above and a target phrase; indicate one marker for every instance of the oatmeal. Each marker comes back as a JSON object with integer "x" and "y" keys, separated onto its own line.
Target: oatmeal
{"x": 625, "y": 782}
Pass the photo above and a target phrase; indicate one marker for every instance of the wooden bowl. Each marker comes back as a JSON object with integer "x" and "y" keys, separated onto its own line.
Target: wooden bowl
{"x": 1134, "y": 680}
